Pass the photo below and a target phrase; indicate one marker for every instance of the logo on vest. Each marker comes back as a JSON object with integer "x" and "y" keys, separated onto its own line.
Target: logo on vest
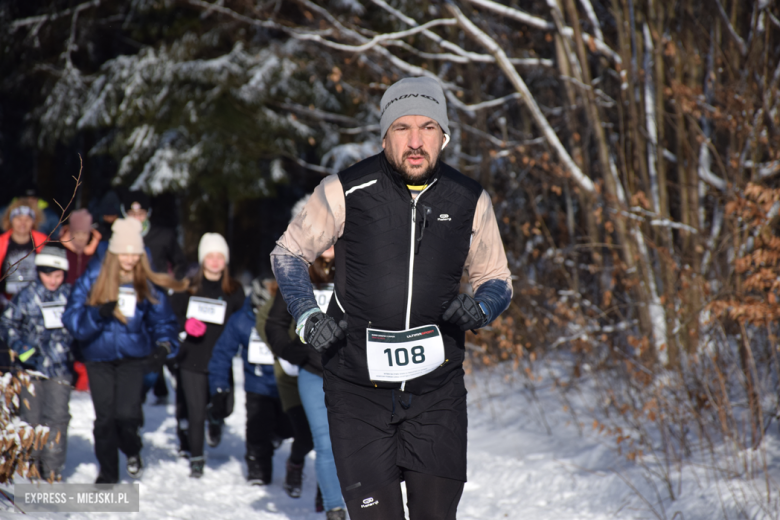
{"x": 368, "y": 502}
{"x": 444, "y": 217}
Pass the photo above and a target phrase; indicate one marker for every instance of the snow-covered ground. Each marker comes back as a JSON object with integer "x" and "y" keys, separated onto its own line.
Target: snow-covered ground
{"x": 516, "y": 469}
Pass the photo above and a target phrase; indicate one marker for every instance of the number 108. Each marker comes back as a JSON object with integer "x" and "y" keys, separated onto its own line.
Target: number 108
{"x": 402, "y": 356}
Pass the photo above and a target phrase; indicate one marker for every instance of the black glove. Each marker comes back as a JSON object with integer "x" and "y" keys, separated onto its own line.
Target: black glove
{"x": 465, "y": 312}
{"x": 106, "y": 310}
{"x": 217, "y": 408}
{"x": 321, "y": 331}
{"x": 158, "y": 357}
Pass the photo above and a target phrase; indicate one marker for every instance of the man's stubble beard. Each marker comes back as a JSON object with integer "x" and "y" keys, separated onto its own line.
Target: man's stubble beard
{"x": 414, "y": 176}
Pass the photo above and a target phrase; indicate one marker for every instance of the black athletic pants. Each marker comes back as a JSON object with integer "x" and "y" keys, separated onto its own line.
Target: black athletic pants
{"x": 264, "y": 421}
{"x": 302, "y": 440}
{"x": 160, "y": 386}
{"x": 428, "y": 498}
{"x": 383, "y": 436}
{"x": 195, "y": 390}
{"x": 115, "y": 387}
{"x": 182, "y": 414}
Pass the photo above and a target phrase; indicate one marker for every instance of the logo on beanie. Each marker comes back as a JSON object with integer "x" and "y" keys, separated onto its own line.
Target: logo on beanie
{"x": 405, "y": 96}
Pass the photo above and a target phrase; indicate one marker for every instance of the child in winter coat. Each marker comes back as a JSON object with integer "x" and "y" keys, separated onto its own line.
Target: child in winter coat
{"x": 264, "y": 417}
{"x": 32, "y": 328}
{"x": 125, "y": 327}
{"x": 81, "y": 241}
{"x": 202, "y": 311}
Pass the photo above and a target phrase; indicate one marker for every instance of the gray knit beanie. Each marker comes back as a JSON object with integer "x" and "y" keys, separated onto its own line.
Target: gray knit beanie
{"x": 52, "y": 258}
{"x": 414, "y": 97}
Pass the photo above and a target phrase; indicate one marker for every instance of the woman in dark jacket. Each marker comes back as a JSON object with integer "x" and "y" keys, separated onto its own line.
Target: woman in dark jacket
{"x": 202, "y": 311}
{"x": 265, "y": 420}
{"x": 310, "y": 380}
{"x": 124, "y": 323}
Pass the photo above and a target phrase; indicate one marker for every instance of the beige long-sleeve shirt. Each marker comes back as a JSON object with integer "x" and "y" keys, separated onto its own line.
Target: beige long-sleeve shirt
{"x": 321, "y": 224}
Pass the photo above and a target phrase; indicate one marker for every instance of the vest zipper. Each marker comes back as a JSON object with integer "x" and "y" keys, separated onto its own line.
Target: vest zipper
{"x": 411, "y": 254}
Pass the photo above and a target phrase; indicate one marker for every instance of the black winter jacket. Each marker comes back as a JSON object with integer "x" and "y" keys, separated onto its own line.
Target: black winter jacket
{"x": 196, "y": 352}
{"x": 277, "y": 328}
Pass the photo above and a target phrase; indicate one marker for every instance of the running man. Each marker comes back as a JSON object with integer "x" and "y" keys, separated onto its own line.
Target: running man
{"x": 406, "y": 227}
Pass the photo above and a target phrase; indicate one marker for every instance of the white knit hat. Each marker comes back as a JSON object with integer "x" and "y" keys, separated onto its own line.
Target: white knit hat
{"x": 213, "y": 243}
{"x": 126, "y": 237}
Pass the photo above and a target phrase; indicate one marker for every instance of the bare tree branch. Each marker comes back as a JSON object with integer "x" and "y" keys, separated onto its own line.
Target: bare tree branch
{"x": 730, "y": 28}
{"x": 461, "y": 55}
{"x": 594, "y": 21}
{"x": 490, "y": 44}
{"x": 63, "y": 217}
{"x": 375, "y": 40}
{"x": 515, "y": 14}
{"x": 520, "y": 16}
{"x": 479, "y": 58}
{"x": 319, "y": 114}
{"x": 39, "y": 20}
{"x": 313, "y": 167}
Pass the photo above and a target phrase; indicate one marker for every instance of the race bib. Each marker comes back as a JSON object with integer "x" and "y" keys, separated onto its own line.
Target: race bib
{"x": 289, "y": 368}
{"x": 207, "y": 310}
{"x": 397, "y": 356}
{"x": 52, "y": 314}
{"x": 259, "y": 353}
{"x": 323, "y": 297}
{"x": 127, "y": 301}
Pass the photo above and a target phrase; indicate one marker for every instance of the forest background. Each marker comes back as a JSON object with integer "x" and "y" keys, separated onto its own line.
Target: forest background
{"x": 630, "y": 146}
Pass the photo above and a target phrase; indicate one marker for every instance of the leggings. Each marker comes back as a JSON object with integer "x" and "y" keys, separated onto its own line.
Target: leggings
{"x": 428, "y": 498}
{"x": 195, "y": 389}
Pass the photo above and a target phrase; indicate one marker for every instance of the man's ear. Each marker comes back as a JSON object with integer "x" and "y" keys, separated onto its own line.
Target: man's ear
{"x": 383, "y": 142}
{"x": 444, "y": 144}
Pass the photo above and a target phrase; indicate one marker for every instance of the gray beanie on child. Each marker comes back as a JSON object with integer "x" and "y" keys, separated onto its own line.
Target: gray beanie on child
{"x": 414, "y": 97}
{"x": 52, "y": 258}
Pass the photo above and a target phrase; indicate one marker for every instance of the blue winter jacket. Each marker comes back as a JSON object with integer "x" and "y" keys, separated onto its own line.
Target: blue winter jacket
{"x": 258, "y": 379}
{"x": 107, "y": 339}
{"x": 23, "y": 328}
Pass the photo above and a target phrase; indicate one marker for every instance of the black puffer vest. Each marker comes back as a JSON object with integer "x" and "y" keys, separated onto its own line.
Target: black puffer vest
{"x": 398, "y": 263}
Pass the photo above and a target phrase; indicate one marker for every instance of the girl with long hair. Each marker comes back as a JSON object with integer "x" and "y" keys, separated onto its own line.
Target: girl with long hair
{"x": 202, "y": 312}
{"x": 119, "y": 312}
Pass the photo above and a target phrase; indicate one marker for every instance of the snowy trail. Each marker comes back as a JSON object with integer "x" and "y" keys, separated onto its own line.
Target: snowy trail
{"x": 516, "y": 469}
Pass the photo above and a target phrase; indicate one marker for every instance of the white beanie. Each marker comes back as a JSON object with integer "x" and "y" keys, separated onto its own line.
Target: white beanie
{"x": 126, "y": 237}
{"x": 212, "y": 243}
